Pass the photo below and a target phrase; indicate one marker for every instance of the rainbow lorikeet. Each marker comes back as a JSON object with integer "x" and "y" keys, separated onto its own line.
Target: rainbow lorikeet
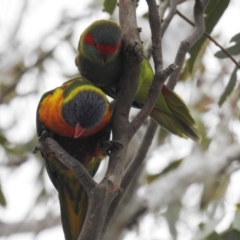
{"x": 78, "y": 115}
{"x": 99, "y": 58}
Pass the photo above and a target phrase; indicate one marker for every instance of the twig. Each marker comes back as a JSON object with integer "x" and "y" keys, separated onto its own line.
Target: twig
{"x": 163, "y": 5}
{"x": 140, "y": 155}
{"x": 19, "y": 21}
{"x": 133, "y": 168}
{"x": 186, "y": 44}
{"x": 135, "y": 164}
{"x": 160, "y": 75}
{"x": 21, "y": 70}
{"x": 29, "y": 226}
{"x": 49, "y": 146}
{"x": 99, "y": 195}
{"x": 168, "y": 19}
{"x": 156, "y": 30}
{"x": 211, "y": 39}
{"x": 132, "y": 50}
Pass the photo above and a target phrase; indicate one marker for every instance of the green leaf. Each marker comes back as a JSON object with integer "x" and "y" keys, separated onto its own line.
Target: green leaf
{"x": 238, "y": 206}
{"x": 162, "y": 135}
{"x": 213, "y": 236}
{"x": 231, "y": 235}
{"x": 109, "y": 6}
{"x": 229, "y": 88}
{"x": 233, "y": 50}
{"x": 214, "y": 11}
{"x": 235, "y": 38}
{"x": 172, "y": 216}
{"x": 207, "y": 229}
{"x": 236, "y": 222}
{"x": 3, "y": 201}
{"x": 170, "y": 167}
{"x": 145, "y": 15}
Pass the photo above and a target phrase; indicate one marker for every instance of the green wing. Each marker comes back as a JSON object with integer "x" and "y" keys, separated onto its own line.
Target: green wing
{"x": 170, "y": 111}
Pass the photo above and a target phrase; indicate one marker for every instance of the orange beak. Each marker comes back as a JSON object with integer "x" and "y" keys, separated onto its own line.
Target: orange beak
{"x": 78, "y": 131}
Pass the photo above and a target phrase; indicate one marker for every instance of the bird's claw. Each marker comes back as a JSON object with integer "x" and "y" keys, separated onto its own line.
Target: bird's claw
{"x": 109, "y": 146}
{"x": 35, "y": 150}
{"x": 44, "y": 135}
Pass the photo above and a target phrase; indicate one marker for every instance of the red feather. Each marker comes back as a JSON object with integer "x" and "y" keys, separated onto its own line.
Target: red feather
{"x": 104, "y": 49}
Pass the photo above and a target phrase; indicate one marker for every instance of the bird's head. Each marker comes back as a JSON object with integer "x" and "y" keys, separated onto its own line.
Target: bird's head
{"x": 101, "y": 41}
{"x": 87, "y": 111}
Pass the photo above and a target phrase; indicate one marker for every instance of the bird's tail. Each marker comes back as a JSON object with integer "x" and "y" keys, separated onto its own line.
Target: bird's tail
{"x": 73, "y": 203}
{"x": 179, "y": 121}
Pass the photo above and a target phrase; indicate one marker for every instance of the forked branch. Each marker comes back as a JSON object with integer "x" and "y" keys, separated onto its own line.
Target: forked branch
{"x": 187, "y": 43}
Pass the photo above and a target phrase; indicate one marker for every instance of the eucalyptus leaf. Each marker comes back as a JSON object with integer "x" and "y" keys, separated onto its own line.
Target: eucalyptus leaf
{"x": 109, "y": 6}
{"x": 233, "y": 50}
{"x": 229, "y": 88}
{"x": 3, "y": 201}
{"x": 213, "y": 236}
{"x": 235, "y": 38}
{"x": 231, "y": 235}
{"x": 214, "y": 12}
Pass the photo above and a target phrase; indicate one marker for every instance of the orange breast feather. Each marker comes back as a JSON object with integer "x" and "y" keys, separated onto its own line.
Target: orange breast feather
{"x": 51, "y": 116}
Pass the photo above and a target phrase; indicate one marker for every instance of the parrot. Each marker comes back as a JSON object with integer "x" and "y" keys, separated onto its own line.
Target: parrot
{"x": 100, "y": 60}
{"x": 78, "y": 116}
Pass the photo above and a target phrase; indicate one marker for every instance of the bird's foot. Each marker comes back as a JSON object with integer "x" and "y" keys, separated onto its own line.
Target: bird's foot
{"x": 109, "y": 146}
{"x": 44, "y": 135}
{"x": 36, "y": 150}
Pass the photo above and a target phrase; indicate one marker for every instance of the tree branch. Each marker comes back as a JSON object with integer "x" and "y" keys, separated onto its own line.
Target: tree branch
{"x": 211, "y": 39}
{"x": 160, "y": 75}
{"x": 168, "y": 19}
{"x": 158, "y": 81}
{"x": 163, "y": 5}
{"x": 101, "y": 198}
{"x": 205, "y": 168}
{"x": 133, "y": 168}
{"x": 49, "y": 146}
{"x": 155, "y": 89}
{"x": 140, "y": 155}
{"x": 155, "y": 26}
{"x": 99, "y": 195}
{"x": 18, "y": 70}
{"x": 133, "y": 54}
{"x": 30, "y": 226}
{"x": 186, "y": 44}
